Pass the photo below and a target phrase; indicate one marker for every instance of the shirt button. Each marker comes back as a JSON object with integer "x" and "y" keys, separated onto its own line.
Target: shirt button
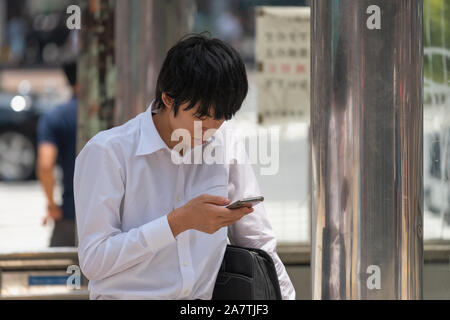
{"x": 186, "y": 291}
{"x": 185, "y": 264}
{"x": 178, "y": 198}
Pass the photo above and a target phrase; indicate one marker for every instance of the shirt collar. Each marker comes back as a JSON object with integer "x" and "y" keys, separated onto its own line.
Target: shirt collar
{"x": 149, "y": 140}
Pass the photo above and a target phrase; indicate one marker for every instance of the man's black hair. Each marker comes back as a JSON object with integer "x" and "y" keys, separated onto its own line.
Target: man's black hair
{"x": 208, "y": 71}
{"x": 70, "y": 70}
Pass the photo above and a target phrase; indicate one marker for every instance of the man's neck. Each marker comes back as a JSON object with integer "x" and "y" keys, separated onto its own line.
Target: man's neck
{"x": 162, "y": 125}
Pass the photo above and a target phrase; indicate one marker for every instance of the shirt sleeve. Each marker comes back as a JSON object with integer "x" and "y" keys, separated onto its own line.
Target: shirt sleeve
{"x": 47, "y": 129}
{"x": 103, "y": 248}
{"x": 254, "y": 230}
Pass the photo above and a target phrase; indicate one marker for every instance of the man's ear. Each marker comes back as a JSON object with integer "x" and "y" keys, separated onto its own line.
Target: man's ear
{"x": 168, "y": 101}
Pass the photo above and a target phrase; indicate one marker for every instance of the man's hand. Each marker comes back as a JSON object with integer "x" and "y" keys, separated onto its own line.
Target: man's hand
{"x": 205, "y": 213}
{"x": 53, "y": 212}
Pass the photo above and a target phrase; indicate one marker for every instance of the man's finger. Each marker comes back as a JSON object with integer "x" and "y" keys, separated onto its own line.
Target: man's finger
{"x": 237, "y": 214}
{"x": 242, "y": 211}
{"x": 234, "y": 220}
{"x": 215, "y": 199}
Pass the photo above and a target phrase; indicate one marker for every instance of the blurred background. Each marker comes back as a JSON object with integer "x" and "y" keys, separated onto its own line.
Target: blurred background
{"x": 35, "y": 41}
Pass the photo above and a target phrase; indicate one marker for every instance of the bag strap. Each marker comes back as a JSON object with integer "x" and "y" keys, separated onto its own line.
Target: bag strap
{"x": 223, "y": 265}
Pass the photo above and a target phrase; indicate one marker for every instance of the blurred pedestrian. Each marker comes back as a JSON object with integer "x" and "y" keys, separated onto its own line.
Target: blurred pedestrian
{"x": 56, "y": 139}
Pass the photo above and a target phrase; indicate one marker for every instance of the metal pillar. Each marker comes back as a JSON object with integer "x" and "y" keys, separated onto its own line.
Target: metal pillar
{"x": 366, "y": 136}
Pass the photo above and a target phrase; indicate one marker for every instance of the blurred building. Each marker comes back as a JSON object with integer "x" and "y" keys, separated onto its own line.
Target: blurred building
{"x": 34, "y": 33}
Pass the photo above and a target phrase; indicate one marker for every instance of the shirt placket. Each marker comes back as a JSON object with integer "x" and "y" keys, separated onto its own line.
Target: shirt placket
{"x": 183, "y": 240}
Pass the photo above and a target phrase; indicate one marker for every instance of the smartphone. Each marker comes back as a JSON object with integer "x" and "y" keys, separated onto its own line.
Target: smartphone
{"x": 245, "y": 202}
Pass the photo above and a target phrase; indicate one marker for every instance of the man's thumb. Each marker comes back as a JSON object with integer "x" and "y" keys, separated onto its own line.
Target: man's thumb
{"x": 216, "y": 199}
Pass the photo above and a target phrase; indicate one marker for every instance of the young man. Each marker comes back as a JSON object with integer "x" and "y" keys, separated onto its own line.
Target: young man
{"x": 150, "y": 227}
{"x": 56, "y": 138}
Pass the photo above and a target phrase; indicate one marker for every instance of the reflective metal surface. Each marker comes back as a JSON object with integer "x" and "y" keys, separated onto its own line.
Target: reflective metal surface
{"x": 366, "y": 136}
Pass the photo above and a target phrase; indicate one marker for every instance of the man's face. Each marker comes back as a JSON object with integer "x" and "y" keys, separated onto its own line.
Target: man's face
{"x": 185, "y": 119}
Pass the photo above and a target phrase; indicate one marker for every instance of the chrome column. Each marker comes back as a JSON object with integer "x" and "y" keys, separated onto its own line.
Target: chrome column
{"x": 366, "y": 141}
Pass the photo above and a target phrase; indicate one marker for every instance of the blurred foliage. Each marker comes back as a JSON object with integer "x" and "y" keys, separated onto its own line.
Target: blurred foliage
{"x": 436, "y": 35}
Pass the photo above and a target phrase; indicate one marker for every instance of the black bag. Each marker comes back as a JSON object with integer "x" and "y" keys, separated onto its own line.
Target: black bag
{"x": 246, "y": 274}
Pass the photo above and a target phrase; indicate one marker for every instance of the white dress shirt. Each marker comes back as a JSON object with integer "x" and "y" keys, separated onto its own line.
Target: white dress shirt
{"x": 125, "y": 184}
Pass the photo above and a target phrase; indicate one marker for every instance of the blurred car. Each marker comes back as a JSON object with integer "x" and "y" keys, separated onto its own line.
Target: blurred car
{"x": 19, "y": 116}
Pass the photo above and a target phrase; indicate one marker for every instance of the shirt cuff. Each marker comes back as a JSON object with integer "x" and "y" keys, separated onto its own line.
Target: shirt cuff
{"x": 157, "y": 233}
